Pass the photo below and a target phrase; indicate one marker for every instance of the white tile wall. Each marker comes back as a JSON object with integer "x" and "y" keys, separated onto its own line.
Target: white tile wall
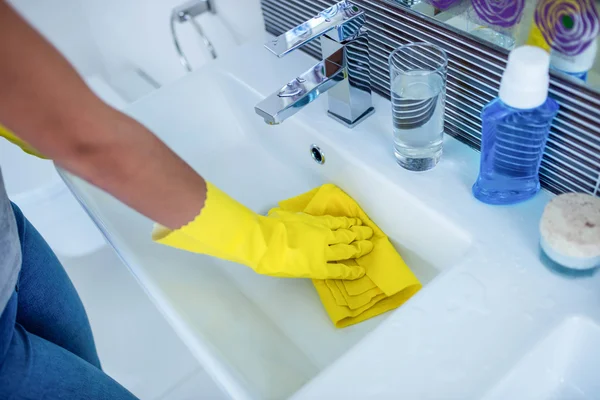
{"x": 132, "y": 32}
{"x": 104, "y": 36}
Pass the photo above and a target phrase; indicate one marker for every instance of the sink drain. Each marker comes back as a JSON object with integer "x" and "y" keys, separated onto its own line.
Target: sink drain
{"x": 317, "y": 154}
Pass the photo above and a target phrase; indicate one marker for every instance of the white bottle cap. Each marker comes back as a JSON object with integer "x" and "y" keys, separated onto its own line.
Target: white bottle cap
{"x": 570, "y": 230}
{"x": 525, "y": 80}
{"x": 582, "y": 62}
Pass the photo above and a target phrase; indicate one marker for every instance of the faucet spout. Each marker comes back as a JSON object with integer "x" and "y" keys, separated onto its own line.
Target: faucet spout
{"x": 300, "y": 91}
{"x": 344, "y": 72}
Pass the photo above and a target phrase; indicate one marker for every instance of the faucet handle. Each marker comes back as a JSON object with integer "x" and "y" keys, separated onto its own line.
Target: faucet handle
{"x": 341, "y": 22}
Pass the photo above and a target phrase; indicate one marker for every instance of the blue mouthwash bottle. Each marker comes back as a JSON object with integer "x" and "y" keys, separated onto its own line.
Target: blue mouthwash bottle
{"x": 515, "y": 129}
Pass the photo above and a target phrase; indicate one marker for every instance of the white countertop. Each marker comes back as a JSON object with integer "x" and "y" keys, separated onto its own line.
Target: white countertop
{"x": 488, "y": 300}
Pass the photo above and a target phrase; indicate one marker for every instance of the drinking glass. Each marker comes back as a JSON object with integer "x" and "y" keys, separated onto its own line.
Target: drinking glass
{"x": 418, "y": 93}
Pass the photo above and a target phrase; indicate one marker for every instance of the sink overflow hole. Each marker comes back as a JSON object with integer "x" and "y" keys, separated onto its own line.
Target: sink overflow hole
{"x": 317, "y": 154}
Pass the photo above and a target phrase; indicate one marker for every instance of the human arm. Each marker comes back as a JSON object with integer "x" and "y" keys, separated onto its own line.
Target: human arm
{"x": 45, "y": 102}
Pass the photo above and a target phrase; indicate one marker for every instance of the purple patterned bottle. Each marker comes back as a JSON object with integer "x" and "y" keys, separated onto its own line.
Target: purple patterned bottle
{"x": 569, "y": 27}
{"x": 500, "y": 13}
{"x": 495, "y": 20}
{"x": 443, "y": 4}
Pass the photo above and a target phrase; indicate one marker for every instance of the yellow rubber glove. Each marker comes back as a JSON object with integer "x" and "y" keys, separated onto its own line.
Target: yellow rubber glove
{"x": 283, "y": 244}
{"x": 11, "y": 137}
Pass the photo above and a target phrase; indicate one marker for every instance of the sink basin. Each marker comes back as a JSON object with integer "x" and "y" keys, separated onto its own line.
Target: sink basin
{"x": 261, "y": 337}
{"x": 478, "y": 329}
{"x": 564, "y": 365}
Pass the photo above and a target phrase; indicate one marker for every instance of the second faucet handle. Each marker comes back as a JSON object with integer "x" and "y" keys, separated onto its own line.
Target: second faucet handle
{"x": 341, "y": 22}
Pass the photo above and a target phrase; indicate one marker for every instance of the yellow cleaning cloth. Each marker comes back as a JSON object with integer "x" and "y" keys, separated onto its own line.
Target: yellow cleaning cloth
{"x": 388, "y": 282}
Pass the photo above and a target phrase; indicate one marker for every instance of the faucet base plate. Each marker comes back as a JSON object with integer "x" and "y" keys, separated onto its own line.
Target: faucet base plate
{"x": 352, "y": 124}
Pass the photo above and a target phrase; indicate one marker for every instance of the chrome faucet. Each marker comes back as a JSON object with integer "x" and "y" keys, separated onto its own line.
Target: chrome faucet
{"x": 344, "y": 72}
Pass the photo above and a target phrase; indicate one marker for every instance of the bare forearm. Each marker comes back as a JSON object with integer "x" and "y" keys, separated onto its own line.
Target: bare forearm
{"x": 138, "y": 169}
{"x": 43, "y": 100}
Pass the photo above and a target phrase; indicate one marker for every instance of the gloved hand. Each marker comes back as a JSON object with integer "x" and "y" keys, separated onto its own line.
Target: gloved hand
{"x": 11, "y": 137}
{"x": 281, "y": 244}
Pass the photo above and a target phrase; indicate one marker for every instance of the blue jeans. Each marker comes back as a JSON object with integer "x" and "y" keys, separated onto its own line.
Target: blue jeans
{"x": 47, "y": 350}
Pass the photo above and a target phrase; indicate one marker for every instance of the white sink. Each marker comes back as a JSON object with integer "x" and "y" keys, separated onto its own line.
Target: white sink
{"x": 563, "y": 366}
{"x": 266, "y": 338}
{"x": 261, "y": 337}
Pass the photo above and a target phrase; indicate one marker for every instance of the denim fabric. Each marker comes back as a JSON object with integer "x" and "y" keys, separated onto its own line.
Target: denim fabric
{"x": 47, "y": 349}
